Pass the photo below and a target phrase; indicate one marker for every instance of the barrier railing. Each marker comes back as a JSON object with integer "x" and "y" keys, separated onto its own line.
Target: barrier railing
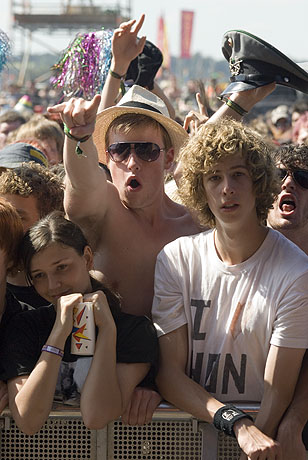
{"x": 172, "y": 435}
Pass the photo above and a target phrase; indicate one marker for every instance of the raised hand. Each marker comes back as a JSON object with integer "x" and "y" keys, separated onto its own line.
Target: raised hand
{"x": 78, "y": 114}
{"x": 125, "y": 44}
{"x": 194, "y": 119}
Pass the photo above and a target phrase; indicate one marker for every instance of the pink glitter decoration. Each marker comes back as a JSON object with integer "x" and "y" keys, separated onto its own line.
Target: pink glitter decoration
{"x": 84, "y": 65}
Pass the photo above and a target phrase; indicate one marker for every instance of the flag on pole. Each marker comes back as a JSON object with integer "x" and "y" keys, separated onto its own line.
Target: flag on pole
{"x": 162, "y": 42}
{"x": 187, "y": 18}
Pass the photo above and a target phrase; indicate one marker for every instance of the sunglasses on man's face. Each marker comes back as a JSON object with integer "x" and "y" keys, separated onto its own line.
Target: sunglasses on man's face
{"x": 146, "y": 151}
{"x": 300, "y": 176}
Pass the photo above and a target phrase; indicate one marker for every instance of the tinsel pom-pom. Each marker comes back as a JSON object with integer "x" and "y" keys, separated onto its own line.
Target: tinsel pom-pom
{"x": 84, "y": 65}
{"x": 5, "y": 49}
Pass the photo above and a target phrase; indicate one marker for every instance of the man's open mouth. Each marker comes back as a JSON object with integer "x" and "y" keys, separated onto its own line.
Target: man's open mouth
{"x": 287, "y": 205}
{"x": 133, "y": 183}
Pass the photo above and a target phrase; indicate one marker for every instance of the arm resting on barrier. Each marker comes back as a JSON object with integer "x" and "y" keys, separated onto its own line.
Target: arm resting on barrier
{"x": 280, "y": 377}
{"x": 180, "y": 390}
{"x": 295, "y": 418}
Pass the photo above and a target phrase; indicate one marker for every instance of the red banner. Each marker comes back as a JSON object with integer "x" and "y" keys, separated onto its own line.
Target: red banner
{"x": 162, "y": 42}
{"x": 186, "y": 33}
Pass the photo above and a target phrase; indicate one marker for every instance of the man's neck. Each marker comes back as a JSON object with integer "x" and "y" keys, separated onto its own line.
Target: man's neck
{"x": 234, "y": 246}
{"x": 298, "y": 237}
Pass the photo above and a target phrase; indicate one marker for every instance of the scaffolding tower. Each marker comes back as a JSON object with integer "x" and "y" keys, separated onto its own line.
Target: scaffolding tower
{"x": 68, "y": 15}
{"x": 45, "y": 21}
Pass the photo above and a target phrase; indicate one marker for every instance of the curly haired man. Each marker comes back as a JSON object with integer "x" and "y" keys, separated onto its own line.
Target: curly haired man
{"x": 230, "y": 304}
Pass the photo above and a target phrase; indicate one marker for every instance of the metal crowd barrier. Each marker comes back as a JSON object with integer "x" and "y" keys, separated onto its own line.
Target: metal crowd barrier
{"x": 172, "y": 435}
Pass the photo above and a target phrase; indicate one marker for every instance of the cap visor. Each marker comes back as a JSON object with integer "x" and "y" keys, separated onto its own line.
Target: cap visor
{"x": 238, "y": 86}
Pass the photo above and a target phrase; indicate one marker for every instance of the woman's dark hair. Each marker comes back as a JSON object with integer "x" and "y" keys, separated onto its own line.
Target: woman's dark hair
{"x": 55, "y": 228}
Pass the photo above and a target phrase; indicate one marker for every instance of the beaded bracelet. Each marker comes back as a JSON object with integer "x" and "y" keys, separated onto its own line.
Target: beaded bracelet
{"x": 233, "y": 105}
{"x": 78, "y": 150}
{"x": 54, "y": 350}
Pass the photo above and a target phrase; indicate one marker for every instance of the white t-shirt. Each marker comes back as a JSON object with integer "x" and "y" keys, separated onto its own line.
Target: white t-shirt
{"x": 233, "y": 313}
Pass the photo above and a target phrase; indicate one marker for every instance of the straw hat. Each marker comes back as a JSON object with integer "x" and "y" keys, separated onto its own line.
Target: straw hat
{"x": 138, "y": 100}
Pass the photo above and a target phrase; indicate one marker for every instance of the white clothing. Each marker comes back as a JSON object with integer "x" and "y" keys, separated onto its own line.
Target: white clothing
{"x": 233, "y": 313}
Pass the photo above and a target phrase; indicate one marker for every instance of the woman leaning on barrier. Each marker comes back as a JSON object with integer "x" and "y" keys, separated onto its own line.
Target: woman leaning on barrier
{"x": 57, "y": 260}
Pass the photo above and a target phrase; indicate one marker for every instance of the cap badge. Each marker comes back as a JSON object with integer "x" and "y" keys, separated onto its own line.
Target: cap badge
{"x": 235, "y": 66}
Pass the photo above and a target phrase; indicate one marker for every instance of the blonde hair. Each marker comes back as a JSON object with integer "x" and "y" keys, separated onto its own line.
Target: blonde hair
{"x": 39, "y": 127}
{"x": 214, "y": 142}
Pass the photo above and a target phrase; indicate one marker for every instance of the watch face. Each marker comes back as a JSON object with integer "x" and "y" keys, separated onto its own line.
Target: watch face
{"x": 229, "y": 414}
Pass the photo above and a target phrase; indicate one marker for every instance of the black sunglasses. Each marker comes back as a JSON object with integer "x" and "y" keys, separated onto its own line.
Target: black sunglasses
{"x": 146, "y": 151}
{"x": 300, "y": 176}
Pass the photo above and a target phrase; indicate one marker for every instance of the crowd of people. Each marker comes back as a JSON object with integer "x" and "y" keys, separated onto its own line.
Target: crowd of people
{"x": 200, "y": 300}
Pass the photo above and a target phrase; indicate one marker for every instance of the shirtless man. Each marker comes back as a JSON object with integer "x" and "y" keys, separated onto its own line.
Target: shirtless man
{"x": 131, "y": 219}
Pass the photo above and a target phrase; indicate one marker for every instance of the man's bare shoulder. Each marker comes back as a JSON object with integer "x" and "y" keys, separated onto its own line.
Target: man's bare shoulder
{"x": 183, "y": 221}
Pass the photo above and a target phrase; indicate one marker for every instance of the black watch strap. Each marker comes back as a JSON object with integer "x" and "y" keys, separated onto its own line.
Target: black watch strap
{"x": 226, "y": 416}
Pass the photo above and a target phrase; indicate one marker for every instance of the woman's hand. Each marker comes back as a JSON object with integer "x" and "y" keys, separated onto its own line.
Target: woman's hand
{"x": 64, "y": 320}
{"x": 102, "y": 314}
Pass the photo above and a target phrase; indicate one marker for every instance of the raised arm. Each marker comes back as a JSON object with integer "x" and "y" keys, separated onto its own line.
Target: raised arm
{"x": 245, "y": 99}
{"x": 125, "y": 47}
{"x": 180, "y": 390}
{"x": 85, "y": 181}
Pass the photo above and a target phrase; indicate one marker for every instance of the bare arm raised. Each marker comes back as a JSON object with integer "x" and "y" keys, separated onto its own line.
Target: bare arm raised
{"x": 246, "y": 99}
{"x": 85, "y": 181}
{"x": 125, "y": 48}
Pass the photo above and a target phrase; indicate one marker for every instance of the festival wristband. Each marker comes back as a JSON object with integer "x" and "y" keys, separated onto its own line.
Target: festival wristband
{"x": 119, "y": 77}
{"x": 73, "y": 138}
{"x": 54, "y": 350}
{"x": 226, "y": 416}
{"x": 116, "y": 75}
{"x": 233, "y": 105}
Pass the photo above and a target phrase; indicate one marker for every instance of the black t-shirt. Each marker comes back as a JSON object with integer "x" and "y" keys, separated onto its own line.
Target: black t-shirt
{"x": 28, "y": 331}
{"x": 28, "y": 295}
{"x": 12, "y": 307}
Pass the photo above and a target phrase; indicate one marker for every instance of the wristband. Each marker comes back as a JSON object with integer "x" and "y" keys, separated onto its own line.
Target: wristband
{"x": 119, "y": 77}
{"x": 116, "y": 75}
{"x": 226, "y": 416}
{"x": 78, "y": 150}
{"x": 233, "y": 105}
{"x": 54, "y": 350}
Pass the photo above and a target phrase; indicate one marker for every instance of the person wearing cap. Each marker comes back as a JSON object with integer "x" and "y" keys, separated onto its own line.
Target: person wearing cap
{"x": 130, "y": 220}
{"x": 134, "y": 60}
{"x": 14, "y": 155}
{"x": 230, "y": 304}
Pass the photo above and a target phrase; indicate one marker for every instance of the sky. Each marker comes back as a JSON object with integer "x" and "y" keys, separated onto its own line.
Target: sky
{"x": 282, "y": 23}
